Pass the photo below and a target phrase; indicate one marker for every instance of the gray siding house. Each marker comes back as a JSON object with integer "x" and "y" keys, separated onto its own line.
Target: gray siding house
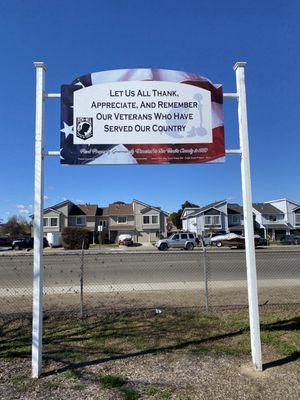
{"x": 272, "y": 219}
{"x": 212, "y": 217}
{"x": 279, "y": 217}
{"x": 144, "y": 222}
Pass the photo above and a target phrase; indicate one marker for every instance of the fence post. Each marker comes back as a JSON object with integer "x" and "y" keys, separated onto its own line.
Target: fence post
{"x": 81, "y": 279}
{"x": 205, "y": 276}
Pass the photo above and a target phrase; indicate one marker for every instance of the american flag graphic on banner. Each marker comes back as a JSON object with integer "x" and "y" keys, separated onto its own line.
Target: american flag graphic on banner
{"x": 180, "y": 147}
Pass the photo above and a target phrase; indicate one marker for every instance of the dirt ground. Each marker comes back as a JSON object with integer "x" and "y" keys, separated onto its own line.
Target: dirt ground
{"x": 149, "y": 355}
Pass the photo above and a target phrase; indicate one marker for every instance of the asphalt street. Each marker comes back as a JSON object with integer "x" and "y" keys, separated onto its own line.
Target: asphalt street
{"x": 150, "y": 268}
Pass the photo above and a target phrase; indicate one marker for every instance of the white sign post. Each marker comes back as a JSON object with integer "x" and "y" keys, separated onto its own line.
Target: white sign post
{"x": 248, "y": 217}
{"x": 37, "y": 309}
{"x": 37, "y": 323}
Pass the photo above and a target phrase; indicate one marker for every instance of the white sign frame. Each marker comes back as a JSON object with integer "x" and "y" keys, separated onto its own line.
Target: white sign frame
{"x": 243, "y": 151}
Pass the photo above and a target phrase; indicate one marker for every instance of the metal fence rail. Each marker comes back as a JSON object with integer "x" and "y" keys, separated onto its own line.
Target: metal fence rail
{"x": 93, "y": 280}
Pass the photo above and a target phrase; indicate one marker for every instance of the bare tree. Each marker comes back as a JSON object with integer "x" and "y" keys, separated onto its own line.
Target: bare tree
{"x": 16, "y": 226}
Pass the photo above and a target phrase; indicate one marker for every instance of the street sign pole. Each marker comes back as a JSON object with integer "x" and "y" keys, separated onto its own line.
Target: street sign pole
{"x": 37, "y": 309}
{"x": 239, "y": 69}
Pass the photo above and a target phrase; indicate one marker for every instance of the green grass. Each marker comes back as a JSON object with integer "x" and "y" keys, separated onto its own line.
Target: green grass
{"x": 112, "y": 381}
{"x": 72, "y": 343}
{"x": 130, "y": 394}
{"x": 103, "y": 246}
{"x": 70, "y": 374}
{"x": 158, "y": 393}
{"x": 79, "y": 340}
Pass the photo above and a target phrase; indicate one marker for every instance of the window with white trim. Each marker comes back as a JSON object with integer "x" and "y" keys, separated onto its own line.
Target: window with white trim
{"x": 235, "y": 218}
{"x": 122, "y": 219}
{"x": 102, "y": 222}
{"x": 212, "y": 220}
{"x": 150, "y": 219}
{"x": 81, "y": 220}
{"x": 146, "y": 219}
{"x": 272, "y": 218}
{"x": 297, "y": 219}
{"x": 50, "y": 221}
{"x": 54, "y": 221}
{"x": 154, "y": 219}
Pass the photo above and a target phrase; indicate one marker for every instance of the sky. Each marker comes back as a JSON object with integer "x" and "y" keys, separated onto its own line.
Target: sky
{"x": 75, "y": 38}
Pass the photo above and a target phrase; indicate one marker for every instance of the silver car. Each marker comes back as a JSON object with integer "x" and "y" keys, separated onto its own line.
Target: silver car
{"x": 181, "y": 240}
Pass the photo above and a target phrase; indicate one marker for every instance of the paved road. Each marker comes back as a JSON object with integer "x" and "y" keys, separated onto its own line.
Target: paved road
{"x": 62, "y": 270}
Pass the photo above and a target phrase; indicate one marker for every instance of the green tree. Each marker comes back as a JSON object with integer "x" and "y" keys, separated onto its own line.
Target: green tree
{"x": 17, "y": 226}
{"x": 175, "y": 217}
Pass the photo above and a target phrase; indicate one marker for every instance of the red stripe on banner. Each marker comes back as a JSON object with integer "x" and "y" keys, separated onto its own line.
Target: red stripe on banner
{"x": 180, "y": 153}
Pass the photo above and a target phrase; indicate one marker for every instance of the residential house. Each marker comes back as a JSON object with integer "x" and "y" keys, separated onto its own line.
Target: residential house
{"x": 212, "y": 217}
{"x": 150, "y": 222}
{"x": 144, "y": 222}
{"x": 235, "y": 218}
{"x": 272, "y": 219}
{"x": 67, "y": 213}
{"x": 278, "y": 217}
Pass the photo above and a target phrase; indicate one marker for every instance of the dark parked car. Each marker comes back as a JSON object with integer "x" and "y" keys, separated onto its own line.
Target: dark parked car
{"x": 290, "y": 240}
{"x": 26, "y": 243}
{"x": 5, "y": 241}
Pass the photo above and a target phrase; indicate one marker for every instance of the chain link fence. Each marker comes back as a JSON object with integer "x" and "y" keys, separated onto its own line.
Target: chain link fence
{"x": 89, "y": 281}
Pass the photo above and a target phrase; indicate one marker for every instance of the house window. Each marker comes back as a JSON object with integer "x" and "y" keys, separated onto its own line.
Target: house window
{"x": 81, "y": 221}
{"x": 150, "y": 219}
{"x": 53, "y": 221}
{"x": 102, "y": 223}
{"x": 272, "y": 218}
{"x": 122, "y": 219}
{"x": 235, "y": 219}
{"x": 297, "y": 219}
{"x": 146, "y": 219}
{"x": 47, "y": 221}
{"x": 212, "y": 220}
{"x": 154, "y": 219}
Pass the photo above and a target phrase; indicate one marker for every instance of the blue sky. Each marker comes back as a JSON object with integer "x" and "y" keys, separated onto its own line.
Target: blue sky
{"x": 77, "y": 37}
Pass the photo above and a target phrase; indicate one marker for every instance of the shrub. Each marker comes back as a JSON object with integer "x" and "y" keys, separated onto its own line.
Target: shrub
{"x": 72, "y": 238}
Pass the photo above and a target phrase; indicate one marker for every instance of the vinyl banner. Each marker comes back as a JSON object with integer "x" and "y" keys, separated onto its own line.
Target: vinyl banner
{"x": 141, "y": 116}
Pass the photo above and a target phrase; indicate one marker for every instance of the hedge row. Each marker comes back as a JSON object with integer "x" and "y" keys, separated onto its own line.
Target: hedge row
{"x": 73, "y": 238}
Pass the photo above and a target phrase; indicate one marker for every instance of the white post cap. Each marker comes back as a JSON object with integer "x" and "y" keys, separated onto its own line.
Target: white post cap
{"x": 40, "y": 64}
{"x": 239, "y": 64}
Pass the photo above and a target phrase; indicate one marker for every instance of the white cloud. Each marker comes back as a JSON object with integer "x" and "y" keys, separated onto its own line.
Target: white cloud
{"x": 63, "y": 198}
{"x": 79, "y": 201}
{"x": 46, "y": 197}
{"x": 23, "y": 209}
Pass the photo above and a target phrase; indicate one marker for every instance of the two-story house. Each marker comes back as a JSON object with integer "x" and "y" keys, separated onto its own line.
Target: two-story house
{"x": 269, "y": 220}
{"x": 235, "y": 218}
{"x": 291, "y": 211}
{"x": 67, "y": 213}
{"x": 144, "y": 222}
{"x": 150, "y": 222}
{"x": 212, "y": 217}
